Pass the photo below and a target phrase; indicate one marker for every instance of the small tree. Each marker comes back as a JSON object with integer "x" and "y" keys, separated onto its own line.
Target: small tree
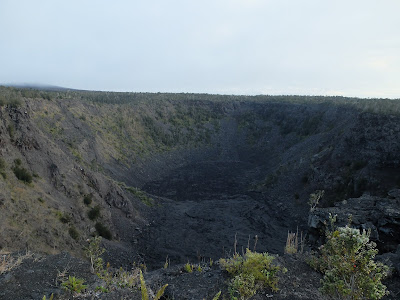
{"x": 347, "y": 261}
{"x": 94, "y": 251}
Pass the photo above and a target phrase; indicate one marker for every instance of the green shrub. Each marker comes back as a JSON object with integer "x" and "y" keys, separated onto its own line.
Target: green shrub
{"x": 250, "y": 272}
{"x": 103, "y": 231}
{"x": 73, "y": 233}
{"x": 74, "y": 284}
{"x": 22, "y": 173}
{"x": 94, "y": 213}
{"x": 87, "y": 199}
{"x": 347, "y": 262}
{"x": 17, "y": 162}
{"x": 244, "y": 285}
{"x": 65, "y": 218}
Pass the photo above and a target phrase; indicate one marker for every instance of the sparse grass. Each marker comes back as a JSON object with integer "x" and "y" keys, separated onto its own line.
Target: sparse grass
{"x": 188, "y": 267}
{"x": 145, "y": 293}
{"x": 141, "y": 195}
{"x": 51, "y": 297}
{"x": 112, "y": 278}
{"x": 293, "y": 243}
{"x": 8, "y": 261}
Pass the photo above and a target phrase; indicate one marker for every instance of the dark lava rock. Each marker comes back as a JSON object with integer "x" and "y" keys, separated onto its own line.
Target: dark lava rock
{"x": 380, "y": 215}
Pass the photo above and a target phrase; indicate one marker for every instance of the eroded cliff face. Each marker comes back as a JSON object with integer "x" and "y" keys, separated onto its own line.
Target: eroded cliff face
{"x": 180, "y": 178}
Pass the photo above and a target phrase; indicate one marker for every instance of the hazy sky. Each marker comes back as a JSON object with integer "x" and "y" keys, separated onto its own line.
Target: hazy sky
{"x": 314, "y": 47}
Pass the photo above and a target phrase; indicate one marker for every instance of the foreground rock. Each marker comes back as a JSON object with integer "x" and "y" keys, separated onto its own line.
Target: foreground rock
{"x": 37, "y": 276}
{"x": 380, "y": 215}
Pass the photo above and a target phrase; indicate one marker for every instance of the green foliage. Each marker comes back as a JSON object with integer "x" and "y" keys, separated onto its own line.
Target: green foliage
{"x": 347, "y": 262}
{"x": 143, "y": 289}
{"x": 251, "y": 272}
{"x": 73, "y": 233}
{"x": 101, "y": 289}
{"x": 94, "y": 213}
{"x": 87, "y": 199}
{"x": 93, "y": 251}
{"x": 51, "y": 297}
{"x": 74, "y": 284}
{"x": 20, "y": 172}
{"x": 216, "y": 297}
{"x": 113, "y": 279}
{"x": 65, "y": 218}
{"x": 188, "y": 267}
{"x": 141, "y": 195}
{"x": 103, "y": 231}
{"x": 243, "y": 285}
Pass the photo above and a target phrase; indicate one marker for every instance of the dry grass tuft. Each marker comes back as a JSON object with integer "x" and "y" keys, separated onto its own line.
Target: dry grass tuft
{"x": 293, "y": 242}
{"x": 9, "y": 262}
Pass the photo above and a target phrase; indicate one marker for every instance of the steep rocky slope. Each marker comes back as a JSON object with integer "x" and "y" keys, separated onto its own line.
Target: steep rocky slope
{"x": 179, "y": 176}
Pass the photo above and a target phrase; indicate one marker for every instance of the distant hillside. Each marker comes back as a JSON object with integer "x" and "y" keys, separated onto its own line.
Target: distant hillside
{"x": 182, "y": 175}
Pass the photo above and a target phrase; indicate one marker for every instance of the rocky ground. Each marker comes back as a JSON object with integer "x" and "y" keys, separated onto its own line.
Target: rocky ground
{"x": 37, "y": 276}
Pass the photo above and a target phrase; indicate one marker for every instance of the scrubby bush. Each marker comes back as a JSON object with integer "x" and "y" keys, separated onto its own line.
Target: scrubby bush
{"x": 87, "y": 199}
{"x": 94, "y": 213}
{"x": 22, "y": 173}
{"x": 103, "y": 231}
{"x": 251, "y": 272}
{"x": 65, "y": 218}
{"x": 73, "y": 233}
{"x": 347, "y": 262}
